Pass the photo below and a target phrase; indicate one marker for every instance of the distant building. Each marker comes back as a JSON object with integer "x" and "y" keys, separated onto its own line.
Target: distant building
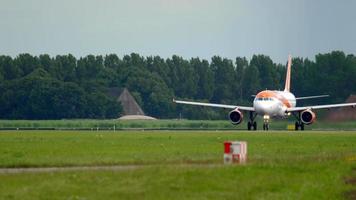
{"x": 131, "y": 109}
{"x": 129, "y": 104}
{"x": 343, "y": 114}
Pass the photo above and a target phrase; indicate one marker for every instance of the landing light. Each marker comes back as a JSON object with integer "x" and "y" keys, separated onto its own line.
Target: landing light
{"x": 265, "y": 116}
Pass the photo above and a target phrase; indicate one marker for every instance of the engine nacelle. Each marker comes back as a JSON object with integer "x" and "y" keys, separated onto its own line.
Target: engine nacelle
{"x": 235, "y": 117}
{"x": 307, "y": 117}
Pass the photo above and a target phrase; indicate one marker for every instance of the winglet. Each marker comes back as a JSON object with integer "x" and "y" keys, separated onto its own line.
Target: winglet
{"x": 287, "y": 85}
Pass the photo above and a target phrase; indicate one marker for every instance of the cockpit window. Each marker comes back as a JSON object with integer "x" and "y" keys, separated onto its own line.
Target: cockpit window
{"x": 264, "y": 99}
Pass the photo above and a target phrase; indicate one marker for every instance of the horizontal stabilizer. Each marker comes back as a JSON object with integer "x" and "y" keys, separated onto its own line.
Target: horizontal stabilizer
{"x": 312, "y": 97}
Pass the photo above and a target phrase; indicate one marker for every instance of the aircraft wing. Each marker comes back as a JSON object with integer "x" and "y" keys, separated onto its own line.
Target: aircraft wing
{"x": 244, "y": 108}
{"x": 353, "y": 105}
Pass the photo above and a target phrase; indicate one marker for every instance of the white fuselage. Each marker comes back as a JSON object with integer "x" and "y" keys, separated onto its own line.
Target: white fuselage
{"x": 274, "y": 103}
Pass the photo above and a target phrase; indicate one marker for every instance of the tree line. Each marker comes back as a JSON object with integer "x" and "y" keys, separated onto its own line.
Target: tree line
{"x": 45, "y": 87}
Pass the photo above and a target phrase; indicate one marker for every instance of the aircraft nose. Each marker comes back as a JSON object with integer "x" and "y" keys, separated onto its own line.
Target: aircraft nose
{"x": 264, "y": 107}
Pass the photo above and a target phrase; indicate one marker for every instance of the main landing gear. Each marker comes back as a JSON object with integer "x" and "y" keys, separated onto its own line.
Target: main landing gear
{"x": 252, "y": 123}
{"x": 298, "y": 124}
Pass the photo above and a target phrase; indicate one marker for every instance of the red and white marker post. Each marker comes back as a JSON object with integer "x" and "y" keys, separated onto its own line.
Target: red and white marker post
{"x": 235, "y": 152}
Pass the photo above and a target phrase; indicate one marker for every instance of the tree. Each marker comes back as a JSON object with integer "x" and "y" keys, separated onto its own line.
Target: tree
{"x": 251, "y": 81}
{"x": 224, "y": 74}
{"x": 89, "y": 66}
{"x": 156, "y": 97}
{"x": 46, "y": 87}
{"x": 64, "y": 68}
{"x": 100, "y": 106}
{"x": 45, "y": 62}
{"x": 159, "y": 66}
{"x": 241, "y": 65}
{"x": 183, "y": 77}
{"x": 26, "y": 63}
{"x": 8, "y": 69}
{"x": 205, "y": 78}
{"x": 112, "y": 61}
{"x": 267, "y": 71}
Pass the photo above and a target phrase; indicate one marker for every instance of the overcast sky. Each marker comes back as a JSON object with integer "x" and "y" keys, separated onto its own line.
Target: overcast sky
{"x": 189, "y": 28}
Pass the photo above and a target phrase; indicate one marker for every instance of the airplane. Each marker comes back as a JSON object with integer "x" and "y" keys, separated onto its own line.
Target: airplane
{"x": 273, "y": 104}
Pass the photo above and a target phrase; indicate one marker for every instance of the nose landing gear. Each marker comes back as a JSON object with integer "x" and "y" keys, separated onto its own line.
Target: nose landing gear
{"x": 265, "y": 126}
{"x": 265, "y": 123}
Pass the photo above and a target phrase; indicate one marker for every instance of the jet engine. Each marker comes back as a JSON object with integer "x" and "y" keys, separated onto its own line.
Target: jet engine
{"x": 236, "y": 117}
{"x": 307, "y": 117}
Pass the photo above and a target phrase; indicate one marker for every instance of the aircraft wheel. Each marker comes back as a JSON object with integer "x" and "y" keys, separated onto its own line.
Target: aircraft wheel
{"x": 249, "y": 126}
{"x": 296, "y": 126}
{"x": 302, "y": 126}
{"x": 265, "y": 126}
{"x": 254, "y": 126}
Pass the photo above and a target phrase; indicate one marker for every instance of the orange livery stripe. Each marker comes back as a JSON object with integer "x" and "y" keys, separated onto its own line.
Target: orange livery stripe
{"x": 272, "y": 94}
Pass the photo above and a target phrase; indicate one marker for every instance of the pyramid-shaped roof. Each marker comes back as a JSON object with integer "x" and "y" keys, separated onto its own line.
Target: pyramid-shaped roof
{"x": 129, "y": 104}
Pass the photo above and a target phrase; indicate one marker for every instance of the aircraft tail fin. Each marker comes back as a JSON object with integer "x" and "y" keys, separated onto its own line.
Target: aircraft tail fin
{"x": 287, "y": 85}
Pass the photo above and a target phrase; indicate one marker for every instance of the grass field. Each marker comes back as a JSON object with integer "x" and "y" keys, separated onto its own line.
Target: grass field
{"x": 94, "y": 124}
{"x": 178, "y": 165}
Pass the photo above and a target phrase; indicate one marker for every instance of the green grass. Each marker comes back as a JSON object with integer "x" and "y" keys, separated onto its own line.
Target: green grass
{"x": 119, "y": 124}
{"x": 95, "y": 124}
{"x": 281, "y": 165}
